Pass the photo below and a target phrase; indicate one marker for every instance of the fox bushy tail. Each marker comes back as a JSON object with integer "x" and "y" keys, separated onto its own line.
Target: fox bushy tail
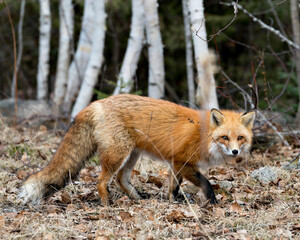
{"x": 77, "y": 146}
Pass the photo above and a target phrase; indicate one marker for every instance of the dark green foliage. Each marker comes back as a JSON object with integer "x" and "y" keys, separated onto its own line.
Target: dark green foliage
{"x": 240, "y": 47}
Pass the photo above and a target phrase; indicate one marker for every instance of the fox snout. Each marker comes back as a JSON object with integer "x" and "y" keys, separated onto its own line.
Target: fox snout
{"x": 233, "y": 152}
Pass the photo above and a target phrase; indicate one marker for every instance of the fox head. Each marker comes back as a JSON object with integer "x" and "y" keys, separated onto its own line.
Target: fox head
{"x": 231, "y": 132}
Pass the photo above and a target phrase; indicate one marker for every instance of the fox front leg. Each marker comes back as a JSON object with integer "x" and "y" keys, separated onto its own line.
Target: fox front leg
{"x": 193, "y": 175}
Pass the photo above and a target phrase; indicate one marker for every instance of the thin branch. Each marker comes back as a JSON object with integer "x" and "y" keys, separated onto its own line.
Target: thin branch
{"x": 263, "y": 25}
{"x": 222, "y": 29}
{"x": 15, "y": 59}
{"x": 293, "y": 160}
{"x": 248, "y": 97}
{"x": 20, "y": 46}
{"x": 273, "y": 6}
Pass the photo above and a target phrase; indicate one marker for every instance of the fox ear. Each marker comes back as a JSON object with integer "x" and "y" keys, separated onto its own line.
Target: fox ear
{"x": 248, "y": 119}
{"x": 216, "y": 118}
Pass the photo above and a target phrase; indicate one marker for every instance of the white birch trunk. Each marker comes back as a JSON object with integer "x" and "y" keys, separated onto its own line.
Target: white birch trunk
{"x": 44, "y": 50}
{"x": 156, "y": 87}
{"x": 206, "y": 90}
{"x": 133, "y": 51}
{"x": 81, "y": 58}
{"x": 188, "y": 54}
{"x": 66, "y": 29}
{"x": 296, "y": 33}
{"x": 91, "y": 74}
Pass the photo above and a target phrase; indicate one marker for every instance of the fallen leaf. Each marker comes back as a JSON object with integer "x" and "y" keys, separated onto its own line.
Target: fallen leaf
{"x": 48, "y": 236}
{"x": 81, "y": 228}
{"x": 296, "y": 226}
{"x": 42, "y": 155}
{"x": 24, "y": 157}
{"x": 163, "y": 173}
{"x": 123, "y": 201}
{"x": 43, "y": 128}
{"x": 219, "y": 212}
{"x": 65, "y": 197}
{"x": 247, "y": 189}
{"x": 125, "y": 216}
{"x": 219, "y": 197}
{"x": 155, "y": 180}
{"x": 103, "y": 234}
{"x": 135, "y": 172}
{"x": 21, "y": 174}
{"x": 2, "y": 221}
{"x": 102, "y": 238}
{"x": 52, "y": 209}
{"x": 188, "y": 214}
{"x": 235, "y": 207}
{"x": 70, "y": 207}
{"x": 175, "y": 216}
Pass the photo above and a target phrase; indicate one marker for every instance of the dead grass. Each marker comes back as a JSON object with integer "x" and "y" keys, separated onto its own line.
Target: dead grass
{"x": 247, "y": 209}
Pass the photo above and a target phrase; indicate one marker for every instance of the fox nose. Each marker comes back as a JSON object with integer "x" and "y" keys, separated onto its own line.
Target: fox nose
{"x": 235, "y": 152}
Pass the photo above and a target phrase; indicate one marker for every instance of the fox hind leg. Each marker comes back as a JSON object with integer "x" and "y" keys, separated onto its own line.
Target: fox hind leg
{"x": 111, "y": 160}
{"x": 124, "y": 175}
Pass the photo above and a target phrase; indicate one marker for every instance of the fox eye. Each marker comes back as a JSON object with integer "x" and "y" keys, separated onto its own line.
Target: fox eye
{"x": 225, "y": 137}
{"x": 240, "y": 138}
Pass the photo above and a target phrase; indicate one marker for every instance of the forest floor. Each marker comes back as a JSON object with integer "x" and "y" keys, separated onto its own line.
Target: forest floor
{"x": 248, "y": 208}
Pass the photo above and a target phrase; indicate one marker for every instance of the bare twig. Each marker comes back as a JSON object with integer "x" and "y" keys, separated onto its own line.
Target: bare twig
{"x": 273, "y": 6}
{"x": 263, "y": 25}
{"x": 277, "y": 19}
{"x": 20, "y": 46}
{"x": 15, "y": 59}
{"x": 222, "y": 29}
{"x": 248, "y": 97}
{"x": 293, "y": 160}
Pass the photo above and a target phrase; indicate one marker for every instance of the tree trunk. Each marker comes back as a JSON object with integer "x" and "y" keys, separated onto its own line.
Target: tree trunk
{"x": 82, "y": 55}
{"x": 156, "y": 87}
{"x": 93, "y": 68}
{"x": 66, "y": 30}
{"x": 296, "y": 33}
{"x": 133, "y": 51}
{"x": 44, "y": 50}
{"x": 206, "y": 90}
{"x": 20, "y": 47}
{"x": 188, "y": 54}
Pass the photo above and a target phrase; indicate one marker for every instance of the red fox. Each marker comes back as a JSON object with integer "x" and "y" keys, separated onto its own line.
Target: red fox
{"x": 121, "y": 127}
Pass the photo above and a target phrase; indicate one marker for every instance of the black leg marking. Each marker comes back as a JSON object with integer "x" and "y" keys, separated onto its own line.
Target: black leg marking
{"x": 176, "y": 190}
{"x": 206, "y": 188}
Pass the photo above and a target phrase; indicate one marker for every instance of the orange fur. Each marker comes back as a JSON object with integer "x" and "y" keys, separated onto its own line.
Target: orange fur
{"x": 122, "y": 126}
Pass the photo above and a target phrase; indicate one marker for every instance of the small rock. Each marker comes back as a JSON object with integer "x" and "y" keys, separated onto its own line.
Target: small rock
{"x": 226, "y": 185}
{"x": 265, "y": 175}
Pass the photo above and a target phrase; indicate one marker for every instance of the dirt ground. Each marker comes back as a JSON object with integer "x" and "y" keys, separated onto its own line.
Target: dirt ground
{"x": 248, "y": 208}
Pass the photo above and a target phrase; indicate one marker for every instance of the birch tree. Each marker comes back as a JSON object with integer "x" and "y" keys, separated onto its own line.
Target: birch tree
{"x": 93, "y": 68}
{"x": 66, "y": 28}
{"x": 296, "y": 33}
{"x": 206, "y": 90}
{"x": 156, "y": 86}
{"x": 188, "y": 54}
{"x": 44, "y": 50}
{"x": 81, "y": 57}
{"x": 133, "y": 51}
